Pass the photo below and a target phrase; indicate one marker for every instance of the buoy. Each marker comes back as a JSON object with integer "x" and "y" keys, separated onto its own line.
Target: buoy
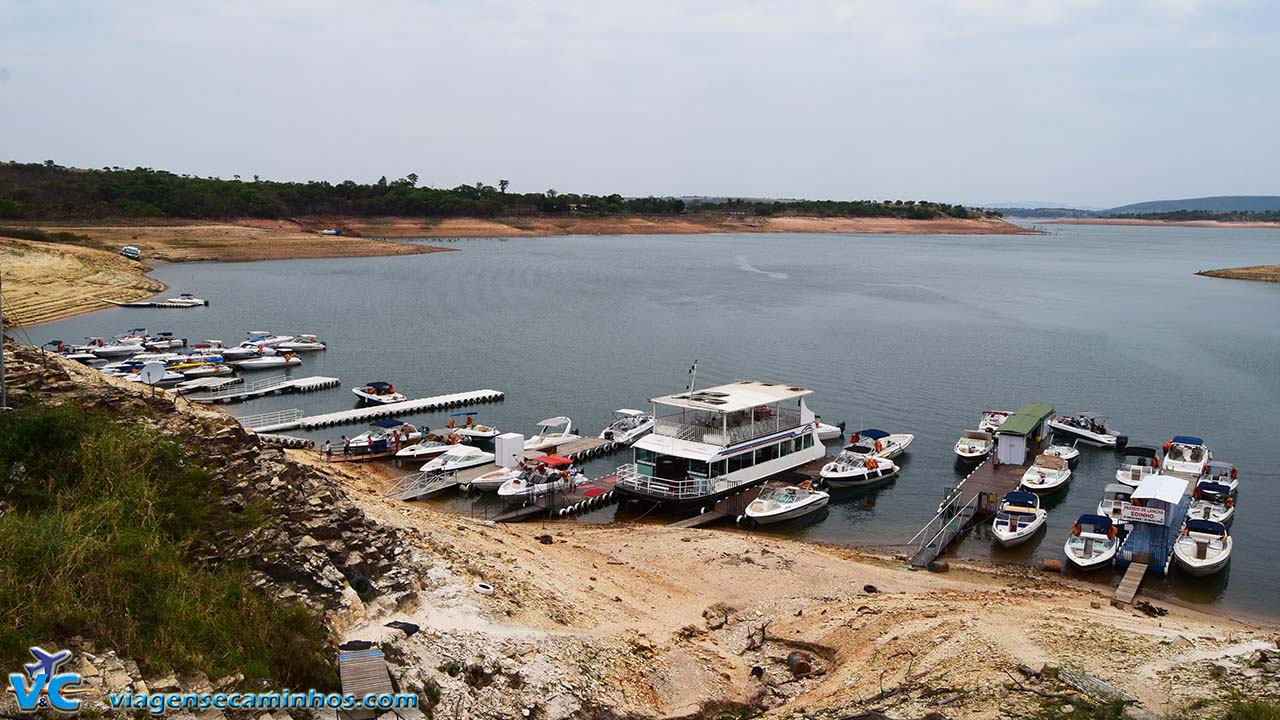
{"x": 1051, "y": 565}
{"x": 483, "y": 588}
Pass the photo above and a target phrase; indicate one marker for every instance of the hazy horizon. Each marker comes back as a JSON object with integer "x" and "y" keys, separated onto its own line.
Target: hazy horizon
{"x": 1083, "y": 102}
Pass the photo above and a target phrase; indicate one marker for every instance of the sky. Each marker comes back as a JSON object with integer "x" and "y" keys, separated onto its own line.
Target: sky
{"x": 1081, "y": 102}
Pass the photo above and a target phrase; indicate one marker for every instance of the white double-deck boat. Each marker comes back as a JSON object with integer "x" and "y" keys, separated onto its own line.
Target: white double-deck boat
{"x": 546, "y": 474}
{"x": 378, "y": 393}
{"x": 991, "y": 420}
{"x": 974, "y": 445}
{"x": 1212, "y": 501}
{"x": 627, "y": 426}
{"x": 1223, "y": 473}
{"x": 1020, "y": 516}
{"x": 779, "y": 502}
{"x": 707, "y": 444}
{"x": 1138, "y": 463}
{"x": 303, "y": 343}
{"x": 469, "y": 427}
{"x": 1092, "y": 542}
{"x": 849, "y": 470}
{"x": 878, "y": 443}
{"x": 1047, "y": 473}
{"x": 549, "y": 437}
{"x": 458, "y": 457}
{"x": 270, "y": 362}
{"x": 1203, "y": 548}
{"x": 1187, "y": 456}
{"x": 1114, "y": 496}
{"x": 1088, "y": 427}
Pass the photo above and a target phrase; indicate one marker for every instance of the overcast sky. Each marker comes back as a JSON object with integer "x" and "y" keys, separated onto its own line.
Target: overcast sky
{"x": 1088, "y": 102}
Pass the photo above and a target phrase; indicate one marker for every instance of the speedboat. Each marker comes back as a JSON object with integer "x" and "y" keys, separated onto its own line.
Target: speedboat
{"x": 246, "y": 351}
{"x": 378, "y": 392}
{"x": 1114, "y": 496}
{"x": 459, "y": 457}
{"x": 827, "y": 432}
{"x": 1223, "y": 473}
{"x": 1019, "y": 517}
{"x": 974, "y": 445}
{"x": 494, "y": 479}
{"x": 549, "y": 437}
{"x": 1092, "y": 542}
{"x": 1203, "y": 548}
{"x": 187, "y": 300}
{"x": 778, "y": 502}
{"x": 1138, "y": 463}
{"x": 546, "y": 474}
{"x": 992, "y": 420}
{"x": 164, "y": 341}
{"x": 383, "y": 436}
{"x": 1089, "y": 427}
{"x": 303, "y": 343}
{"x": 138, "y": 360}
{"x": 853, "y": 470}
{"x": 120, "y": 347}
{"x": 429, "y": 446}
{"x": 470, "y": 428}
{"x": 1070, "y": 453}
{"x": 1047, "y": 473}
{"x": 1186, "y": 455}
{"x": 627, "y": 426}
{"x": 203, "y": 369}
{"x": 878, "y": 443}
{"x": 1212, "y": 501}
{"x": 207, "y": 349}
{"x": 262, "y": 337}
{"x": 270, "y": 362}
{"x": 168, "y": 378}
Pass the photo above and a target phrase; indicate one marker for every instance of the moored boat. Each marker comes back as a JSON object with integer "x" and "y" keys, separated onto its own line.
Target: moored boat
{"x": 1203, "y": 548}
{"x": 1223, "y": 473}
{"x": 389, "y": 434}
{"x": 828, "y": 432}
{"x": 546, "y": 474}
{"x": 164, "y": 341}
{"x": 1070, "y": 453}
{"x": 1114, "y": 496}
{"x": 430, "y": 445}
{"x": 378, "y": 392}
{"x": 1092, "y": 542}
{"x": 187, "y": 300}
{"x": 1046, "y": 474}
{"x": 263, "y": 337}
{"x": 303, "y": 343}
{"x": 246, "y": 351}
{"x": 854, "y": 470}
{"x": 779, "y": 502}
{"x": 974, "y": 445}
{"x": 627, "y": 426}
{"x": 1088, "y": 427}
{"x": 1138, "y": 463}
{"x": 470, "y": 428}
{"x": 459, "y": 457}
{"x": 878, "y": 443}
{"x": 270, "y": 362}
{"x": 552, "y": 433}
{"x": 1185, "y": 455}
{"x": 1212, "y": 501}
{"x": 991, "y": 420}
{"x": 1019, "y": 517}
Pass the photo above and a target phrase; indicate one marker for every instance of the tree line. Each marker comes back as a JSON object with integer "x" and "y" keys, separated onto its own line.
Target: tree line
{"x": 1191, "y": 215}
{"x": 47, "y": 191}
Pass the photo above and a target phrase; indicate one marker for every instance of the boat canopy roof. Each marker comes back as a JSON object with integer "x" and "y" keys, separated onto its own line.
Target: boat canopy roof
{"x": 1117, "y": 489}
{"x": 872, "y": 434}
{"x": 1220, "y": 465}
{"x": 1096, "y": 521}
{"x": 1021, "y": 498}
{"x": 1187, "y": 440}
{"x": 1164, "y": 488}
{"x": 1213, "y": 488}
{"x": 1026, "y": 419}
{"x": 628, "y": 412}
{"x": 1208, "y": 527}
{"x": 557, "y": 420}
{"x": 463, "y": 413}
{"x": 554, "y": 460}
{"x": 388, "y": 423}
{"x": 1140, "y": 451}
{"x": 377, "y": 385}
{"x": 735, "y": 396}
{"x": 976, "y": 435}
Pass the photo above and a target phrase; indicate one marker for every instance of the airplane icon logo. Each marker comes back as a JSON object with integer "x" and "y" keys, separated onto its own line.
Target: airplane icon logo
{"x": 46, "y": 685}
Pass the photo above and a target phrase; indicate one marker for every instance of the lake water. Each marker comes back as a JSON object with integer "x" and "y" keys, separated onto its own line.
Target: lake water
{"x": 906, "y": 333}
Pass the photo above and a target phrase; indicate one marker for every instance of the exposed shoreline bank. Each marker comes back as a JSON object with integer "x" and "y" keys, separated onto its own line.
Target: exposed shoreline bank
{"x": 1162, "y": 223}
{"x": 1256, "y": 273}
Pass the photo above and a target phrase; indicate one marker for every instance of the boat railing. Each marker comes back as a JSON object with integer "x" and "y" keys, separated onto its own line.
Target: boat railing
{"x": 252, "y": 387}
{"x": 714, "y": 432}
{"x": 629, "y": 477}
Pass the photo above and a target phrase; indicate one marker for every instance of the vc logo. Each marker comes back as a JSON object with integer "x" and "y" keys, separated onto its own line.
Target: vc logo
{"x": 47, "y": 685}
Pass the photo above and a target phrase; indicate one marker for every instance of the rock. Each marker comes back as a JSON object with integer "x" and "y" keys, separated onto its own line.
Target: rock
{"x": 168, "y": 683}
{"x": 1048, "y": 670}
{"x": 1181, "y": 642}
{"x": 1095, "y": 604}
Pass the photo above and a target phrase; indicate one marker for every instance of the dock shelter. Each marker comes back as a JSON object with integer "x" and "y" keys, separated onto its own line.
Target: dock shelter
{"x": 1153, "y": 516}
{"x": 1031, "y": 421}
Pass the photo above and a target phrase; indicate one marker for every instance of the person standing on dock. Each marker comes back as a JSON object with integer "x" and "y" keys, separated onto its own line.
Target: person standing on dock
{"x": 328, "y": 451}
{"x": 346, "y": 445}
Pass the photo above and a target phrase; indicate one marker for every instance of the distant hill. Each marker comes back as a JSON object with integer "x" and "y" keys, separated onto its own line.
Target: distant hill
{"x": 1218, "y": 204}
{"x": 1038, "y": 205}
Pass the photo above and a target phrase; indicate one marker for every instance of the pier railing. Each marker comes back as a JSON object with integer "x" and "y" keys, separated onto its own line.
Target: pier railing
{"x": 268, "y": 419}
{"x": 630, "y": 478}
{"x": 715, "y": 433}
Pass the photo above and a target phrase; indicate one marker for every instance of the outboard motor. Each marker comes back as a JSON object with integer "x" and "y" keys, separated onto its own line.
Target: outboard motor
{"x": 1121, "y": 441}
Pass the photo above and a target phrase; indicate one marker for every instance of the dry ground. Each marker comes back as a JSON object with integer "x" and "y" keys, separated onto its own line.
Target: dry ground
{"x": 49, "y": 281}
{"x": 1262, "y": 273}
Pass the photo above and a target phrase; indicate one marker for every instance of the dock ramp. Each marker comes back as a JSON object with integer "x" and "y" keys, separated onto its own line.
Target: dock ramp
{"x": 1130, "y": 583}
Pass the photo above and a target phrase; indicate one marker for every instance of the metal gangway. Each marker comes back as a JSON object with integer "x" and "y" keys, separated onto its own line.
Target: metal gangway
{"x": 274, "y": 420}
{"x": 954, "y": 517}
{"x": 421, "y": 484}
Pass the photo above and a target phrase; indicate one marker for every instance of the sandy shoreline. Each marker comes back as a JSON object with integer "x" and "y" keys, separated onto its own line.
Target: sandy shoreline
{"x": 1258, "y": 273}
{"x": 49, "y": 281}
{"x": 1161, "y": 223}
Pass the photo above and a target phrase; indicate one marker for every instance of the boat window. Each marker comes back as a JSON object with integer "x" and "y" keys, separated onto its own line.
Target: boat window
{"x": 719, "y": 468}
{"x": 766, "y": 453}
{"x": 697, "y": 469}
{"x": 644, "y": 461}
{"x": 786, "y": 447}
{"x": 806, "y": 441}
{"x": 741, "y": 461}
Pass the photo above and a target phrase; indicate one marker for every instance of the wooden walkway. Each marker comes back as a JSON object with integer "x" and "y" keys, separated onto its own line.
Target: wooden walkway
{"x": 587, "y": 496}
{"x": 1129, "y": 584}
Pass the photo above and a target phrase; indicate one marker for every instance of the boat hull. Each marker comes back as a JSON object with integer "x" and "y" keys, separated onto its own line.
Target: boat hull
{"x": 816, "y": 503}
{"x": 1088, "y": 436}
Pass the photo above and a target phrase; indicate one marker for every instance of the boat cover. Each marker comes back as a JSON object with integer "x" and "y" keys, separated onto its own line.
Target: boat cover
{"x": 872, "y": 434}
{"x": 388, "y": 423}
{"x": 628, "y": 411}
{"x": 1164, "y": 488}
{"x": 1213, "y": 488}
{"x": 556, "y": 421}
{"x": 378, "y": 385}
{"x": 1140, "y": 451}
{"x": 1098, "y": 522}
{"x": 463, "y": 413}
{"x": 1188, "y": 440}
{"x": 553, "y": 460}
{"x": 1021, "y": 498}
{"x": 1118, "y": 489}
{"x": 1208, "y": 527}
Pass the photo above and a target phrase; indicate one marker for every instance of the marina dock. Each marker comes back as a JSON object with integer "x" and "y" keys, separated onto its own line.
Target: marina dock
{"x": 735, "y": 505}
{"x": 275, "y": 385}
{"x": 587, "y": 496}
{"x": 292, "y": 419}
{"x": 160, "y": 304}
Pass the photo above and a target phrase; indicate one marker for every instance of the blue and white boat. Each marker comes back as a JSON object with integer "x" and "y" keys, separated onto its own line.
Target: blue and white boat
{"x": 1092, "y": 542}
{"x": 378, "y": 392}
{"x": 1212, "y": 501}
{"x": 1203, "y": 548}
{"x": 1186, "y": 456}
{"x": 1020, "y": 516}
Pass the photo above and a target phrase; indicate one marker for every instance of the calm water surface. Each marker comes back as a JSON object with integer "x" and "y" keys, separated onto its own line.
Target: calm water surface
{"x": 906, "y": 333}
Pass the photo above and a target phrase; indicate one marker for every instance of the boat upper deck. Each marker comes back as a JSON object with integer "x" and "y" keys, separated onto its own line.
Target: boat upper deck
{"x": 726, "y": 415}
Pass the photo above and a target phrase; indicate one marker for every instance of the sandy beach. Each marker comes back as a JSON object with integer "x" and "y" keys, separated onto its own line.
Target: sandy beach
{"x": 48, "y": 281}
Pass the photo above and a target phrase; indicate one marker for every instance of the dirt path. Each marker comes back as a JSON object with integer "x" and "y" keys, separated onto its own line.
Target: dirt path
{"x": 48, "y": 281}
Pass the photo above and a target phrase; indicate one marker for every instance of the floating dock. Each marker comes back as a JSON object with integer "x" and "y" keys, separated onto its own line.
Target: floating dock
{"x": 1152, "y": 545}
{"x": 427, "y": 404}
{"x": 587, "y": 496}
{"x": 275, "y": 385}
{"x": 735, "y": 505}
{"x": 208, "y": 384}
{"x": 157, "y": 304}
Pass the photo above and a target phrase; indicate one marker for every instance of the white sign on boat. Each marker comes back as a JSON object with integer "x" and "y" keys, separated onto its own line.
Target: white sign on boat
{"x": 1139, "y": 513}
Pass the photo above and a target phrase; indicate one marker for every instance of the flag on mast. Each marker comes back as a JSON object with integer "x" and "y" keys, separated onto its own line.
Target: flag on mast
{"x": 693, "y": 376}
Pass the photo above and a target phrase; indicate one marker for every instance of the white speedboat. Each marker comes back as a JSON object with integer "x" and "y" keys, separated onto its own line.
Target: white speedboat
{"x": 549, "y": 437}
{"x": 878, "y": 443}
{"x": 779, "y": 502}
{"x": 246, "y": 351}
{"x": 854, "y": 470}
{"x": 378, "y": 393}
{"x": 384, "y": 435}
{"x": 628, "y": 426}
{"x": 207, "y": 349}
{"x": 168, "y": 378}
{"x": 1186, "y": 455}
{"x": 1203, "y": 548}
{"x": 546, "y": 474}
{"x": 164, "y": 341}
{"x": 991, "y": 420}
{"x": 1020, "y": 516}
{"x": 1070, "y": 453}
{"x": 1212, "y": 501}
{"x": 139, "y": 360}
{"x": 1138, "y": 463}
{"x": 464, "y": 424}
{"x": 187, "y": 300}
{"x": 429, "y": 446}
{"x": 494, "y": 479}
{"x": 1046, "y": 474}
{"x": 459, "y": 457}
{"x": 303, "y": 343}
{"x": 828, "y": 432}
{"x": 270, "y": 362}
{"x": 1092, "y": 542}
{"x": 1088, "y": 427}
{"x": 974, "y": 445}
{"x": 121, "y": 347}
{"x": 203, "y": 369}
{"x": 1223, "y": 473}
{"x": 1114, "y": 496}
{"x": 262, "y": 337}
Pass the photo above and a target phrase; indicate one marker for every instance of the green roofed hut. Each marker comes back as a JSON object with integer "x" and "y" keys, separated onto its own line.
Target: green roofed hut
{"x": 1027, "y": 427}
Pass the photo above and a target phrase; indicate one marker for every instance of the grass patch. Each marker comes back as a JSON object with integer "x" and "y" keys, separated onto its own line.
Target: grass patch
{"x": 98, "y": 522}
{"x": 41, "y": 235}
